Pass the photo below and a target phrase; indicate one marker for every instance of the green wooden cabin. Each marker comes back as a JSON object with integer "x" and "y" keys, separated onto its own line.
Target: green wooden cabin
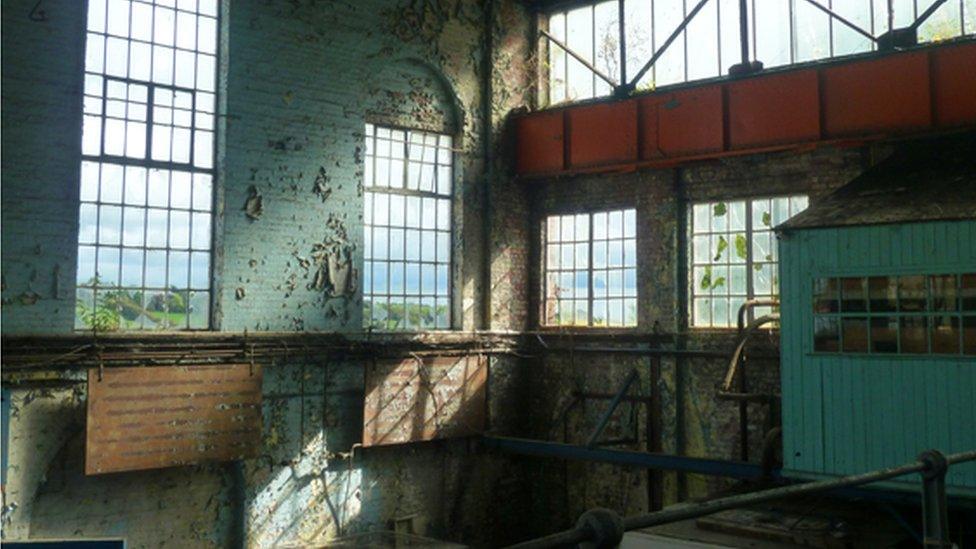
{"x": 878, "y": 303}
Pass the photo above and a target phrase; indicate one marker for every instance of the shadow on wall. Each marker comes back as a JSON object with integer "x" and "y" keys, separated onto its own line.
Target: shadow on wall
{"x": 176, "y": 507}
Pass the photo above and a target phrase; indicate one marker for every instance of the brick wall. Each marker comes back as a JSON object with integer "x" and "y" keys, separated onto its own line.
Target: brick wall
{"x": 42, "y": 59}
{"x": 694, "y": 421}
{"x": 298, "y": 82}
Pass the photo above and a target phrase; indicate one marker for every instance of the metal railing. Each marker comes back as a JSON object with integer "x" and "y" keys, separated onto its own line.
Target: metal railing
{"x": 890, "y": 39}
{"x": 604, "y": 528}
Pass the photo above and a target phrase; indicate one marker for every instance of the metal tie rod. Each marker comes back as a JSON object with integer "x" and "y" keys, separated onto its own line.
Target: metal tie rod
{"x": 843, "y": 20}
{"x": 579, "y": 58}
{"x": 674, "y": 35}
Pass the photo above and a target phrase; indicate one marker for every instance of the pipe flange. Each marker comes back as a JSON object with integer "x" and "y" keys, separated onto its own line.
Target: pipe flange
{"x": 935, "y": 464}
{"x": 604, "y": 528}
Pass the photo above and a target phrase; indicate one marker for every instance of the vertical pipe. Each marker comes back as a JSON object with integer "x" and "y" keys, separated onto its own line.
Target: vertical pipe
{"x": 622, "y": 29}
{"x": 681, "y": 325}
{"x": 486, "y": 136}
{"x": 743, "y": 415}
{"x": 655, "y": 481}
{"x": 935, "y": 509}
{"x": 744, "y": 31}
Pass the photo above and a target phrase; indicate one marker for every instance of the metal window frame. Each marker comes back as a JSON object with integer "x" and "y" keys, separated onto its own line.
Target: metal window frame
{"x": 370, "y": 187}
{"x": 839, "y": 316}
{"x": 148, "y": 163}
{"x": 590, "y": 271}
{"x": 749, "y": 263}
{"x": 747, "y": 34}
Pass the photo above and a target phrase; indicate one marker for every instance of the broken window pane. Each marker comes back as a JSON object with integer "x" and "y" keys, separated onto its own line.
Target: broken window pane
{"x": 733, "y": 256}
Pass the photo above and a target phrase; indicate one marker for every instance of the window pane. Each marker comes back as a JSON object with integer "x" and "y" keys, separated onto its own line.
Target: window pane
{"x": 884, "y": 334}
{"x": 967, "y": 290}
{"x": 944, "y": 293}
{"x": 914, "y": 334}
{"x": 969, "y": 335}
{"x": 883, "y": 292}
{"x": 853, "y": 295}
{"x": 411, "y": 266}
{"x": 826, "y": 335}
{"x": 140, "y": 48}
{"x": 945, "y": 334}
{"x": 825, "y": 295}
{"x": 855, "y": 336}
{"x": 911, "y": 293}
{"x": 727, "y": 251}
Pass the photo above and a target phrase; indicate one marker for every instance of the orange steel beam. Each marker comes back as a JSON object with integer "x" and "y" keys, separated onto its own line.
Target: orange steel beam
{"x": 926, "y": 90}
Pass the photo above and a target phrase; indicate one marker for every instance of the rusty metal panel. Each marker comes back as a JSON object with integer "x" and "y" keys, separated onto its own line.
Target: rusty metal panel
{"x": 691, "y": 122}
{"x": 774, "y": 110}
{"x": 424, "y": 399}
{"x": 887, "y": 95}
{"x": 155, "y": 417}
{"x": 954, "y": 85}
{"x": 539, "y": 142}
{"x": 604, "y": 133}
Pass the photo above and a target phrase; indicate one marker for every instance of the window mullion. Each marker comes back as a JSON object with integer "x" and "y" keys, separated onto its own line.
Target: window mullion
{"x": 750, "y": 270}
{"x": 590, "y": 290}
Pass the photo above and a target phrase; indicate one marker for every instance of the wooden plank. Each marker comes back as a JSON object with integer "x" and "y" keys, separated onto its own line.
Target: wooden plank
{"x": 155, "y": 417}
{"x": 424, "y": 399}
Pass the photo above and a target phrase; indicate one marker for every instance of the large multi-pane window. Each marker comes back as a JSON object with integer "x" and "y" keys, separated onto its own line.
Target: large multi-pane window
{"x": 734, "y": 256}
{"x": 591, "y": 269}
{"x": 407, "y": 218}
{"x": 906, "y": 314}
{"x": 147, "y": 165}
{"x": 780, "y": 32}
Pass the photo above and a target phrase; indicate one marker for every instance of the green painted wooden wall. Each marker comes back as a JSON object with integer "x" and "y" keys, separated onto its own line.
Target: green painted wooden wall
{"x": 845, "y": 414}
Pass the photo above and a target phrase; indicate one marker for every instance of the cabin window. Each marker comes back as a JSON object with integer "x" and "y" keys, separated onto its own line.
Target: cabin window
{"x": 591, "y": 269}
{"x": 147, "y": 169}
{"x": 407, "y": 223}
{"x": 734, "y": 256}
{"x": 908, "y": 314}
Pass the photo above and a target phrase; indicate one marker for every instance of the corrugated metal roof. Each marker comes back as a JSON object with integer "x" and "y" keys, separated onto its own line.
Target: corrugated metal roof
{"x": 923, "y": 180}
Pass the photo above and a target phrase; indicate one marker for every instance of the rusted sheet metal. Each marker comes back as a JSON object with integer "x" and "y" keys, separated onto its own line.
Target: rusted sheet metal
{"x": 954, "y": 85}
{"x": 541, "y": 142}
{"x": 690, "y": 122}
{"x": 773, "y": 110}
{"x": 424, "y": 399}
{"x": 604, "y": 133}
{"x": 155, "y": 417}
{"x": 681, "y": 123}
{"x": 890, "y": 94}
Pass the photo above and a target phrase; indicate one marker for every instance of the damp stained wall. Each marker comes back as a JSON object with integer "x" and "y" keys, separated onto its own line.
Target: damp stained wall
{"x": 693, "y": 421}
{"x": 299, "y": 80}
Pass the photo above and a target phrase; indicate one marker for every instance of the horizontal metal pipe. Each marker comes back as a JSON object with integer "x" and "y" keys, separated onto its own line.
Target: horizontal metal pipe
{"x": 609, "y": 396}
{"x": 705, "y": 466}
{"x": 694, "y": 510}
